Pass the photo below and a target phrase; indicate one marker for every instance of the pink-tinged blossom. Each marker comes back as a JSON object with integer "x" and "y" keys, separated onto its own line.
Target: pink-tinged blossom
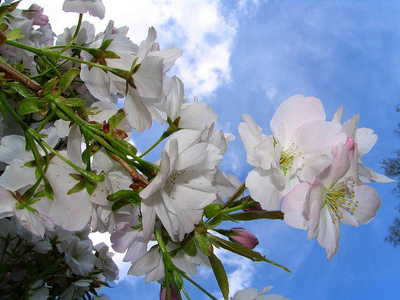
{"x": 336, "y": 196}
{"x": 298, "y": 150}
{"x": 94, "y": 7}
{"x": 365, "y": 138}
{"x": 254, "y": 294}
{"x": 181, "y": 189}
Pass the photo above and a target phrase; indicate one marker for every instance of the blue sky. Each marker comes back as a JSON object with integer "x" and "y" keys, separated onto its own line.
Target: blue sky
{"x": 247, "y": 57}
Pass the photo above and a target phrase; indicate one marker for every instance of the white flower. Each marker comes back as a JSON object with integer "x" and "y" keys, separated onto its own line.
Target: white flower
{"x": 195, "y": 115}
{"x": 180, "y": 191}
{"x": 336, "y": 196}
{"x": 151, "y": 264}
{"x": 365, "y": 138}
{"x": 94, "y": 7}
{"x": 72, "y": 211}
{"x": 298, "y": 150}
{"x": 254, "y": 294}
{"x": 78, "y": 255}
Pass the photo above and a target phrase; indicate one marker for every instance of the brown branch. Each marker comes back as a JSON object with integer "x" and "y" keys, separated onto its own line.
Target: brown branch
{"x": 33, "y": 85}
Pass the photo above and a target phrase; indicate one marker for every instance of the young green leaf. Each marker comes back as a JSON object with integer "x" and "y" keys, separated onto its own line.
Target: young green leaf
{"x": 245, "y": 252}
{"x": 70, "y": 101}
{"x": 67, "y": 79}
{"x": 14, "y": 34}
{"x": 31, "y": 105}
{"x": 220, "y": 275}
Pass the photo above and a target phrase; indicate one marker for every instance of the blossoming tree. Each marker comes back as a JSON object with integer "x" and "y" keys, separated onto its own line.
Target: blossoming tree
{"x": 69, "y": 105}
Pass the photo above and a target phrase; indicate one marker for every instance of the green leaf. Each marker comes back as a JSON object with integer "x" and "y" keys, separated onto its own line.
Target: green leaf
{"x": 131, "y": 196}
{"x": 20, "y": 89}
{"x": 220, "y": 275}
{"x": 77, "y": 188}
{"x": 245, "y": 252}
{"x": 70, "y": 101}
{"x": 49, "y": 86}
{"x": 3, "y": 26}
{"x": 118, "y": 204}
{"x": 14, "y": 34}
{"x": 202, "y": 243}
{"x": 190, "y": 247}
{"x": 116, "y": 119}
{"x": 215, "y": 221}
{"x": 31, "y": 105}
{"x": 67, "y": 79}
{"x": 8, "y": 8}
{"x": 105, "y": 44}
{"x": 255, "y": 215}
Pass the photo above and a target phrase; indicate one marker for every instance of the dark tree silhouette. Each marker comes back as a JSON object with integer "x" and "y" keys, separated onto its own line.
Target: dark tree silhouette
{"x": 392, "y": 170}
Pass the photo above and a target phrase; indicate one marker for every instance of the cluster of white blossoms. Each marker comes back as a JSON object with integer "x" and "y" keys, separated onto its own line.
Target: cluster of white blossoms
{"x": 311, "y": 169}
{"x": 70, "y": 104}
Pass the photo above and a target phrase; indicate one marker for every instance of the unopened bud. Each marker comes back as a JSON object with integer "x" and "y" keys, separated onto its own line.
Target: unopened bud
{"x": 173, "y": 293}
{"x": 244, "y": 238}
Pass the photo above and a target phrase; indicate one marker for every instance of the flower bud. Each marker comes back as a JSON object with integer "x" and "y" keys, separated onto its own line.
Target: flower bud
{"x": 244, "y": 238}
{"x": 173, "y": 293}
{"x": 350, "y": 143}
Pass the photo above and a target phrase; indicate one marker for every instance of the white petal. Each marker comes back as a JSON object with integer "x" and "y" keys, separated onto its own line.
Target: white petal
{"x": 197, "y": 116}
{"x": 95, "y": 7}
{"x": 17, "y": 176}
{"x": 13, "y": 147}
{"x": 365, "y": 210}
{"x": 293, "y": 113}
{"x": 293, "y": 206}
{"x": 7, "y": 202}
{"x": 264, "y": 188}
{"x": 136, "y": 112}
{"x": 148, "y": 78}
{"x": 329, "y": 233}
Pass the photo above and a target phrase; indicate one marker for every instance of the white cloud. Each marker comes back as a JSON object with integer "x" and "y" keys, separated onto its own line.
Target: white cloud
{"x": 204, "y": 30}
{"x": 243, "y": 270}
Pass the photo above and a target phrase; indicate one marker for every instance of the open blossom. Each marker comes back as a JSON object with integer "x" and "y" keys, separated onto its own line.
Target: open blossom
{"x": 195, "y": 115}
{"x": 336, "y": 196}
{"x": 254, "y": 294}
{"x": 298, "y": 150}
{"x": 152, "y": 265}
{"x": 180, "y": 191}
{"x": 365, "y": 138}
{"x": 72, "y": 210}
{"x": 94, "y": 7}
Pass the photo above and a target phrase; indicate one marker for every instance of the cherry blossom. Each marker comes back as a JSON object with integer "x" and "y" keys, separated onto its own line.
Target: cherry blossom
{"x": 94, "y": 7}
{"x": 298, "y": 150}
{"x": 336, "y": 196}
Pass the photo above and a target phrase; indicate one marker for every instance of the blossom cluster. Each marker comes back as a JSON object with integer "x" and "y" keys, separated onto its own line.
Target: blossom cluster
{"x": 72, "y": 105}
{"x": 60, "y": 263}
{"x": 311, "y": 169}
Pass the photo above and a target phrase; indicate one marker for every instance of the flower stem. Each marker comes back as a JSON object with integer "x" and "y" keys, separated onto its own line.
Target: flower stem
{"x": 238, "y": 192}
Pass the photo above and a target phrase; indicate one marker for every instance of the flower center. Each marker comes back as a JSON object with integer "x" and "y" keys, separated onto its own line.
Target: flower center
{"x": 170, "y": 182}
{"x": 340, "y": 197}
{"x": 287, "y": 157}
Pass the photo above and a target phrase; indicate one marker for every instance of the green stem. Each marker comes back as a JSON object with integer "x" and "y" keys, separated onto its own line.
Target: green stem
{"x": 167, "y": 261}
{"x": 25, "y": 47}
{"x": 196, "y": 285}
{"x": 78, "y": 27}
{"x": 239, "y": 191}
{"x": 165, "y": 134}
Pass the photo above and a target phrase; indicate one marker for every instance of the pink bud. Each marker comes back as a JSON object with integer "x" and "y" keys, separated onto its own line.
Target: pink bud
{"x": 244, "y": 238}
{"x": 350, "y": 143}
{"x": 173, "y": 293}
